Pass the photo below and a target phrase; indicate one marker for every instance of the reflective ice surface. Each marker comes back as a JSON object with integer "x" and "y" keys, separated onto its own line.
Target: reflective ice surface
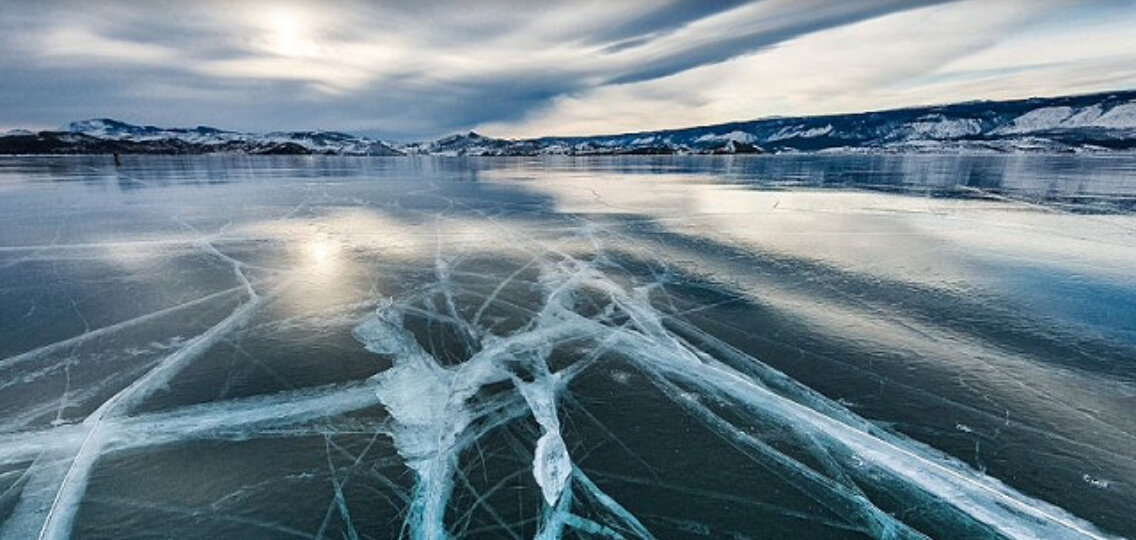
{"x": 748, "y": 347}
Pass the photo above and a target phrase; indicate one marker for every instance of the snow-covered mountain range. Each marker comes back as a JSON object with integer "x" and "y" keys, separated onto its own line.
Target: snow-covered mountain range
{"x": 103, "y": 135}
{"x": 1087, "y": 123}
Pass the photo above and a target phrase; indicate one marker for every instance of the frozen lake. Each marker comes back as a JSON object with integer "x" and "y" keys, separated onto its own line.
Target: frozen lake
{"x": 674, "y": 347}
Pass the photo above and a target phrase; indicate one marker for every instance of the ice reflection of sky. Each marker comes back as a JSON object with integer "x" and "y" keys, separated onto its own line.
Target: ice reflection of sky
{"x": 955, "y": 245}
{"x": 931, "y": 240}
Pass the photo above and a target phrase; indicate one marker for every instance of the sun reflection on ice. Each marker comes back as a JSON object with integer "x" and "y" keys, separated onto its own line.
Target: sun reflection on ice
{"x": 318, "y": 273}
{"x": 322, "y": 255}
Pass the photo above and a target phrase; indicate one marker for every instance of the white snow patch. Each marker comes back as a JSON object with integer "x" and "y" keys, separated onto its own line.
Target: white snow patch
{"x": 1084, "y": 117}
{"x": 733, "y": 136}
{"x": 799, "y": 132}
{"x": 936, "y": 128}
{"x": 1119, "y": 117}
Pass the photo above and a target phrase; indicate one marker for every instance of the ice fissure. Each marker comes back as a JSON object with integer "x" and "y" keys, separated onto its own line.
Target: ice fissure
{"x": 436, "y": 408}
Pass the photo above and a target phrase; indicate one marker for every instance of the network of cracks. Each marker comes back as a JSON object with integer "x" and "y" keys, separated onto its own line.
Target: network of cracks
{"x": 554, "y": 389}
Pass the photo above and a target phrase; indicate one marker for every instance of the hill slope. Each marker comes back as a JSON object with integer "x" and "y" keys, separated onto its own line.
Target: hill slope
{"x": 1094, "y": 123}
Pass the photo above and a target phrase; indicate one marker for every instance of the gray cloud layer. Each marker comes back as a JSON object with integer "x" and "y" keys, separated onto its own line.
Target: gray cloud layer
{"x": 408, "y": 70}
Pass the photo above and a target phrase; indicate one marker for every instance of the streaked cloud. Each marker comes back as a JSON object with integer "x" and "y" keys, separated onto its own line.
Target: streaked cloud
{"x": 409, "y": 70}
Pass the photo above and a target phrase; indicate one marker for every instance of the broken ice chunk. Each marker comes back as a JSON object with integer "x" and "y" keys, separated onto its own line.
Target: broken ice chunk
{"x": 551, "y": 466}
{"x": 551, "y": 463}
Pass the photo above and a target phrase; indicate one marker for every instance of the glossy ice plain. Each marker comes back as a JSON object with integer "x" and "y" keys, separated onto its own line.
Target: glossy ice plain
{"x": 816, "y": 346}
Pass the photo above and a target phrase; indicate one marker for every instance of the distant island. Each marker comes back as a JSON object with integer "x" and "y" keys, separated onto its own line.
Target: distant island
{"x": 1104, "y": 122}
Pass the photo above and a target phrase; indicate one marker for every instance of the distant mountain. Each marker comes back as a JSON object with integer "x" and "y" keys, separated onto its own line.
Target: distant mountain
{"x": 104, "y": 136}
{"x": 1082, "y": 123}
{"x": 1087, "y": 123}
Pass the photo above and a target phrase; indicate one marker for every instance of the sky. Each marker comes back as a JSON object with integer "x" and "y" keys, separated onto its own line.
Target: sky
{"x": 406, "y": 71}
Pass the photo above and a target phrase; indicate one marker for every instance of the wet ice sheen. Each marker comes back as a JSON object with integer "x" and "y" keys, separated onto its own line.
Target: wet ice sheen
{"x": 504, "y": 327}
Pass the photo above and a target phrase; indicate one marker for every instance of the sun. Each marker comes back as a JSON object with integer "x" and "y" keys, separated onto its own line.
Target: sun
{"x": 288, "y": 35}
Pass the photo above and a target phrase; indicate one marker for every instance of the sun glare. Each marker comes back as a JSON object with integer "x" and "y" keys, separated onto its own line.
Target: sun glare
{"x": 322, "y": 253}
{"x": 289, "y": 35}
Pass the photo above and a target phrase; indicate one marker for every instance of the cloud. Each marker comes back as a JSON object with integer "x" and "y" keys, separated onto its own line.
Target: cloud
{"x": 743, "y": 30}
{"x": 937, "y": 54}
{"x": 411, "y": 70}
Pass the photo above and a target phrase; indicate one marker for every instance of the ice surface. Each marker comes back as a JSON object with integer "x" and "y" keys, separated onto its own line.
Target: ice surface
{"x": 431, "y": 407}
{"x": 657, "y": 355}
